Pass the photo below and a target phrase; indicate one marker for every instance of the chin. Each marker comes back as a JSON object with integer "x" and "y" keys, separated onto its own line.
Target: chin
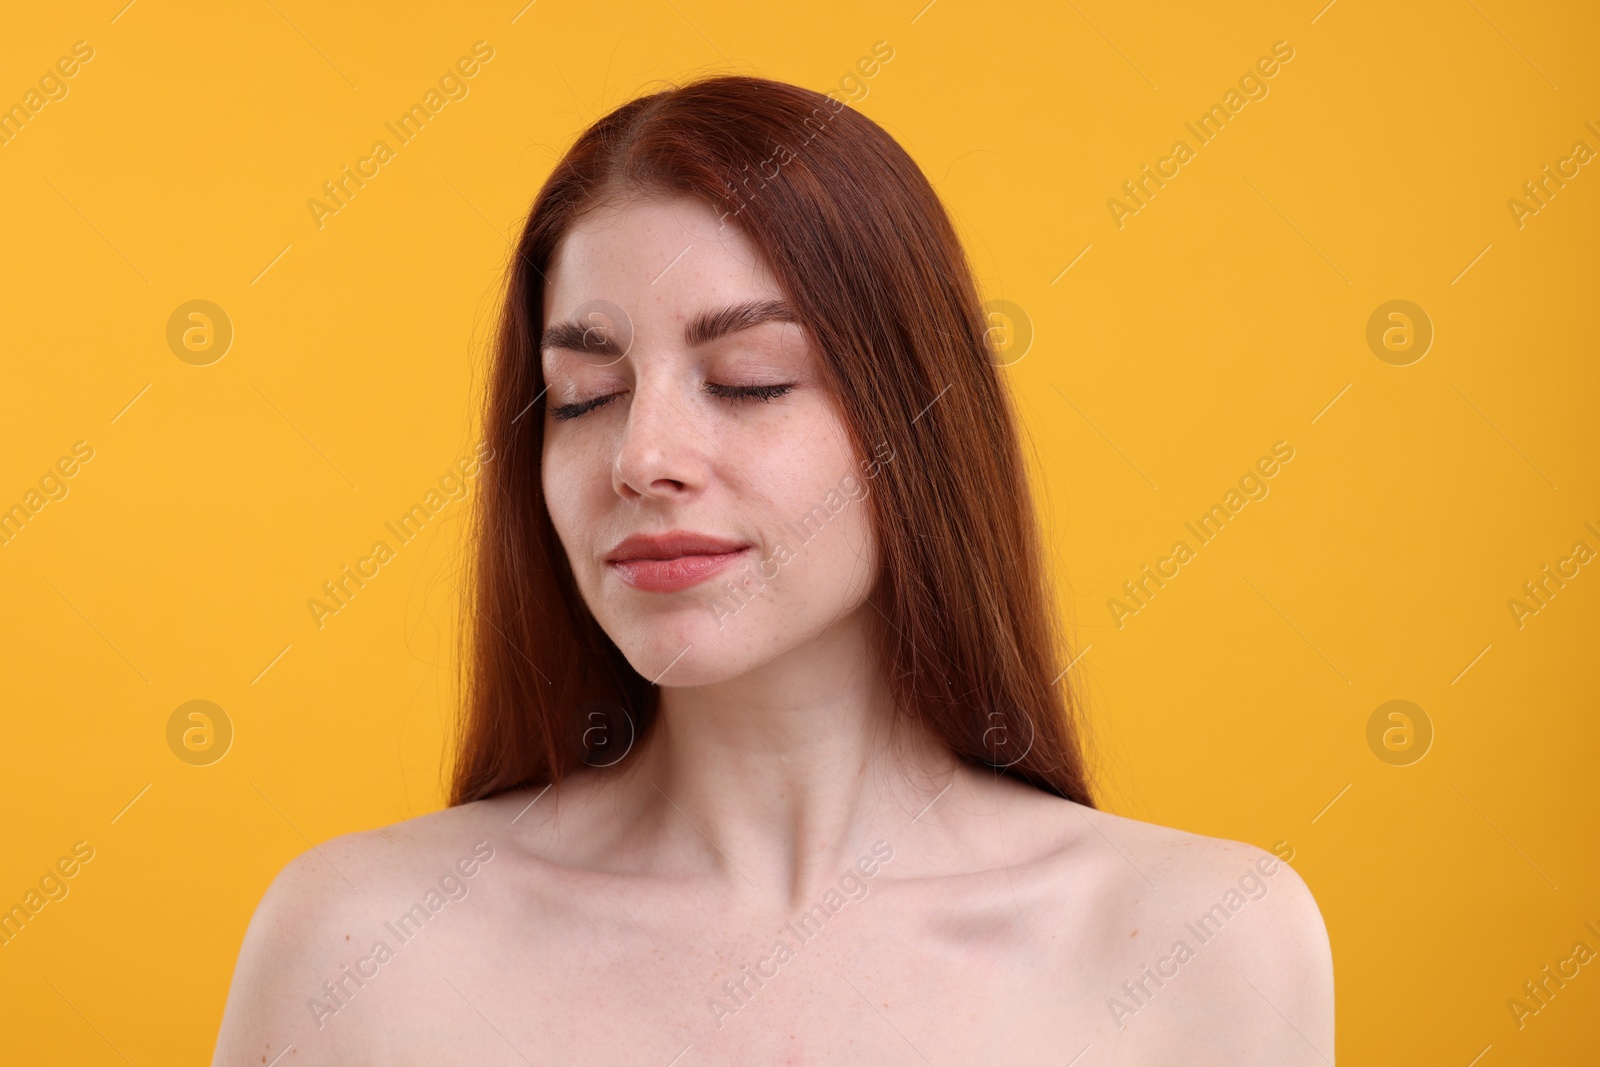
{"x": 709, "y": 634}
{"x": 686, "y": 644}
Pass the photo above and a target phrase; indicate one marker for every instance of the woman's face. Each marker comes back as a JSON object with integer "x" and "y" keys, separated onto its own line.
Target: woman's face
{"x": 698, "y": 474}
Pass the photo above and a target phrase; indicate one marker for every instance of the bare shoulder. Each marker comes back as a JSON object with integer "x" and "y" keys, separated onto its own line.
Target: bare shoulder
{"x": 1218, "y": 947}
{"x": 318, "y": 914}
{"x": 1184, "y": 858}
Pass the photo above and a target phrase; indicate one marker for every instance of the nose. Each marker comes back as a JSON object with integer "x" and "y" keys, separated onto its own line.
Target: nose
{"x": 661, "y": 452}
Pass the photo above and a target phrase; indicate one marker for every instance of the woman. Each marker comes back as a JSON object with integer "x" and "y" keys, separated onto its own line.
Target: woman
{"x": 770, "y": 753}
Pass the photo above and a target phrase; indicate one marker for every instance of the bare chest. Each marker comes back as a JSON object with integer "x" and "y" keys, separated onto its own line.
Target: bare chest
{"x": 886, "y": 980}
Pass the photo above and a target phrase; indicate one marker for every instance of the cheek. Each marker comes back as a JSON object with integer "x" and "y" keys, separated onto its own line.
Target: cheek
{"x": 858, "y": 553}
{"x": 568, "y": 477}
{"x": 831, "y": 568}
{"x": 829, "y": 531}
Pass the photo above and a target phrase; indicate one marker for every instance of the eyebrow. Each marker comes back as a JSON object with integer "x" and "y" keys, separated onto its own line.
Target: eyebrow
{"x": 705, "y": 327}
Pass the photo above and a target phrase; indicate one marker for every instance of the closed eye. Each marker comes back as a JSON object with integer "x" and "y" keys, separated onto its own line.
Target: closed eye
{"x": 748, "y": 392}
{"x": 564, "y": 412}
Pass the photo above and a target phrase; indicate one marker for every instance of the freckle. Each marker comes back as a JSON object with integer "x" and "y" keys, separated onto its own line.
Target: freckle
{"x": 347, "y": 937}
{"x": 1134, "y": 934}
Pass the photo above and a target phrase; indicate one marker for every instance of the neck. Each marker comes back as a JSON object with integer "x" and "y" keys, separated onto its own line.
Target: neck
{"x": 779, "y": 780}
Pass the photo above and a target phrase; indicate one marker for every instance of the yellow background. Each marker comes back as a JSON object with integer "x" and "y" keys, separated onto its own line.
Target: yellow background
{"x": 1226, "y": 315}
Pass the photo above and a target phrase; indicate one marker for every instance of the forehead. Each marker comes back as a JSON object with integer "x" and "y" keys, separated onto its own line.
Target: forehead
{"x": 659, "y": 258}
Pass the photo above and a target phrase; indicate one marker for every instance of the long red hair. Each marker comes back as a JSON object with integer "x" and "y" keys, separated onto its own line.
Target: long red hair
{"x": 965, "y": 622}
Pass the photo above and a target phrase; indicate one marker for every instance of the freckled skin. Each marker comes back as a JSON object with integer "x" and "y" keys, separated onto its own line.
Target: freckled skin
{"x": 665, "y": 455}
{"x": 618, "y": 910}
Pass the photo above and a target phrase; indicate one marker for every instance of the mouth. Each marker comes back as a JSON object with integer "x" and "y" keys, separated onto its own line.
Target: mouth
{"x": 666, "y": 563}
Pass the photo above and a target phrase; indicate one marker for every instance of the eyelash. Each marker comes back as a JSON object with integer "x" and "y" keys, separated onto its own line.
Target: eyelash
{"x": 764, "y": 393}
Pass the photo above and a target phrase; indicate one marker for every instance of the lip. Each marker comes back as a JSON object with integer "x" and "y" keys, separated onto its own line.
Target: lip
{"x": 666, "y": 563}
